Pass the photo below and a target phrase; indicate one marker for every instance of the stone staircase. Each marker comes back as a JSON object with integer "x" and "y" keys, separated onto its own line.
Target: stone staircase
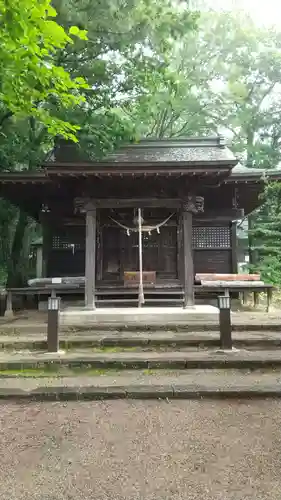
{"x": 251, "y": 332}
{"x": 154, "y": 297}
{"x": 184, "y": 356}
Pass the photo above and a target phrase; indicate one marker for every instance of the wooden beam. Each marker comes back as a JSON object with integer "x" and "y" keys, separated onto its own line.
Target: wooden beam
{"x": 223, "y": 215}
{"x": 188, "y": 266}
{"x": 90, "y": 258}
{"x": 87, "y": 203}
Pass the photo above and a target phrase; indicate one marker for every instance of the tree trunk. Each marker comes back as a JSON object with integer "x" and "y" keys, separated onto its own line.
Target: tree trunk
{"x": 253, "y": 257}
{"x": 250, "y": 145}
{"x": 249, "y": 164}
{"x": 15, "y": 276}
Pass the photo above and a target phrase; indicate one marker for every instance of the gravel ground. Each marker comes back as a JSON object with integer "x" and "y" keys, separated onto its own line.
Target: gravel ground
{"x": 135, "y": 450}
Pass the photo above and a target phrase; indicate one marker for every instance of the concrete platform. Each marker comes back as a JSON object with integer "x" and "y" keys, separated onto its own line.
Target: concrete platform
{"x": 137, "y": 316}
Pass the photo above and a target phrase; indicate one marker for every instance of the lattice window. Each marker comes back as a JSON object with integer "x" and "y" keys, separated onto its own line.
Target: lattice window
{"x": 71, "y": 241}
{"x": 211, "y": 237}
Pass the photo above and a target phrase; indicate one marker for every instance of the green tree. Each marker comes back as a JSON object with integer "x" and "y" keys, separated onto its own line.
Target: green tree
{"x": 245, "y": 96}
{"x": 245, "y": 100}
{"x": 125, "y": 61}
{"x": 266, "y": 234}
{"x": 29, "y": 76}
{"x": 179, "y": 104}
{"x": 125, "y": 56}
{"x": 226, "y": 78}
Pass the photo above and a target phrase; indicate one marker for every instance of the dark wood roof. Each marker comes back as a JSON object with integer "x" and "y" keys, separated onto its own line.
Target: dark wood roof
{"x": 187, "y": 152}
{"x": 243, "y": 174}
{"x": 185, "y": 156}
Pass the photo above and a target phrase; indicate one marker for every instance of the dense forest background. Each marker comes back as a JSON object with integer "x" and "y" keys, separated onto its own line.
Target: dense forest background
{"x": 109, "y": 72}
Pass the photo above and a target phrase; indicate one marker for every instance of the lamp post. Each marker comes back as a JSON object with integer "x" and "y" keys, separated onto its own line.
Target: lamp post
{"x": 53, "y": 323}
{"x": 225, "y": 322}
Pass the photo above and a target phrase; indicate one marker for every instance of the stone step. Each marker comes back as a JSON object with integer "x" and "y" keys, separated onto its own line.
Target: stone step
{"x": 189, "y": 384}
{"x": 146, "y": 340}
{"x": 199, "y": 359}
{"x": 17, "y": 328}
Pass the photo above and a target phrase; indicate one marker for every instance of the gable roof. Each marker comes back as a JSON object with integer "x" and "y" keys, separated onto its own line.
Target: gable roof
{"x": 181, "y": 151}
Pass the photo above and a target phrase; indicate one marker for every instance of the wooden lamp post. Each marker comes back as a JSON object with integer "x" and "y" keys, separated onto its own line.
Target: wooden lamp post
{"x": 53, "y": 323}
{"x": 225, "y": 322}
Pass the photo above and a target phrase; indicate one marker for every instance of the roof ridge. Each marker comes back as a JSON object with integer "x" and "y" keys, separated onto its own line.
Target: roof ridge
{"x": 218, "y": 141}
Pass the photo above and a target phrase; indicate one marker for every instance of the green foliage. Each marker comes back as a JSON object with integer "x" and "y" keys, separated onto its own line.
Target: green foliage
{"x": 269, "y": 268}
{"x": 121, "y": 49}
{"x": 177, "y": 105}
{"x": 244, "y": 98}
{"x": 223, "y": 78}
{"x": 247, "y": 63}
{"x": 29, "y": 76}
{"x": 46, "y": 59}
{"x": 266, "y": 234}
{"x": 125, "y": 60}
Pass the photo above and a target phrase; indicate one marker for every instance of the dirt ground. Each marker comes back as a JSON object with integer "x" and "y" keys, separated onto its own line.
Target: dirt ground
{"x": 141, "y": 450}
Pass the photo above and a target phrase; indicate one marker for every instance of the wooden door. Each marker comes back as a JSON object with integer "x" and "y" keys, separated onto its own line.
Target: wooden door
{"x": 121, "y": 253}
{"x": 111, "y": 253}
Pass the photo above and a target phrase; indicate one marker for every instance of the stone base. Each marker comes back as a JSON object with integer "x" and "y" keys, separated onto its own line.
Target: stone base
{"x": 138, "y": 316}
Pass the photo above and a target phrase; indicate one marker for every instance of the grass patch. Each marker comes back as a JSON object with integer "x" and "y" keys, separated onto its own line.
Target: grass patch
{"x": 55, "y": 372}
{"x": 60, "y": 371}
{"x": 149, "y": 371}
{"x": 113, "y": 349}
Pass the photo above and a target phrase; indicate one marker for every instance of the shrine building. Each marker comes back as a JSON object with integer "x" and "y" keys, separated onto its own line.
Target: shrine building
{"x": 142, "y": 222}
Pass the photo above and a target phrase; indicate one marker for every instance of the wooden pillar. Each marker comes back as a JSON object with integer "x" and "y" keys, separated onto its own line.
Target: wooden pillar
{"x": 90, "y": 257}
{"x": 99, "y": 248}
{"x": 234, "y": 253}
{"x": 39, "y": 261}
{"x": 179, "y": 248}
{"x": 188, "y": 266}
{"x": 191, "y": 205}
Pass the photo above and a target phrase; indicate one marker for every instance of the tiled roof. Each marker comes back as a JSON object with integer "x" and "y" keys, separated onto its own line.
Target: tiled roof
{"x": 256, "y": 173}
{"x": 211, "y": 150}
{"x": 189, "y": 151}
{"x": 240, "y": 169}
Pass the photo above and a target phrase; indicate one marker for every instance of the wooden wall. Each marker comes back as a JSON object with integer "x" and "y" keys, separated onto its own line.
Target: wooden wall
{"x": 213, "y": 245}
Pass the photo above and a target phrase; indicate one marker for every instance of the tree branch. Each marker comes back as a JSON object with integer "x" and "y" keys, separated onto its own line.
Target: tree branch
{"x": 161, "y": 125}
{"x": 181, "y": 130}
{"x": 5, "y": 117}
{"x": 266, "y": 93}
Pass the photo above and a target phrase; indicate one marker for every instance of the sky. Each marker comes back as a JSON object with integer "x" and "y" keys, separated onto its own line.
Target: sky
{"x": 263, "y": 12}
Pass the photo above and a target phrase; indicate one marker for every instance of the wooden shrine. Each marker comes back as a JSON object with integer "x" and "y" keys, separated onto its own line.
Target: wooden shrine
{"x": 186, "y": 194}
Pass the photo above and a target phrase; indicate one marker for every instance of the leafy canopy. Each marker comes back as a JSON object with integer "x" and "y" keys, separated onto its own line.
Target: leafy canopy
{"x": 266, "y": 234}
{"x": 30, "y": 38}
{"x": 125, "y": 61}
